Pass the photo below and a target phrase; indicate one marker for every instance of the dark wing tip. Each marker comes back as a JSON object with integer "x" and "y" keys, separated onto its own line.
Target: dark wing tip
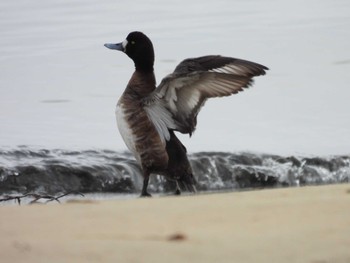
{"x": 263, "y": 69}
{"x": 217, "y": 62}
{"x": 252, "y": 69}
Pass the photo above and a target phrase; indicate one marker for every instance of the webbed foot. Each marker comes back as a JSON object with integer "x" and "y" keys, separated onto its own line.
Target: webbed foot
{"x": 177, "y": 192}
{"x": 146, "y": 194}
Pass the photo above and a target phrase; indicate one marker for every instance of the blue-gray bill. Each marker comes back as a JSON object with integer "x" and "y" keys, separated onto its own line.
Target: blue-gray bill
{"x": 118, "y": 46}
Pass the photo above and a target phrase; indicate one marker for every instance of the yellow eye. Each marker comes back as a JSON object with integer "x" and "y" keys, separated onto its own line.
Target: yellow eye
{"x": 133, "y": 42}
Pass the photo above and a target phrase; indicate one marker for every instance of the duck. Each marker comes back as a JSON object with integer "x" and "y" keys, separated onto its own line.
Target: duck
{"x": 148, "y": 116}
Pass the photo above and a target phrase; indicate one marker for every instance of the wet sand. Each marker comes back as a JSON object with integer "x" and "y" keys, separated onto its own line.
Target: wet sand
{"x": 309, "y": 224}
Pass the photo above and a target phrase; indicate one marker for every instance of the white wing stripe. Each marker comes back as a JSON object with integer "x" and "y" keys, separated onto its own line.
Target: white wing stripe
{"x": 161, "y": 120}
{"x": 233, "y": 69}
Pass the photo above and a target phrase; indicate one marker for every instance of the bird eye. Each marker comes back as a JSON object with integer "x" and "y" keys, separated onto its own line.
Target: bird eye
{"x": 133, "y": 42}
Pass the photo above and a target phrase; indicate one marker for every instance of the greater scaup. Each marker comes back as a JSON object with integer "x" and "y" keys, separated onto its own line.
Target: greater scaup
{"x": 147, "y": 115}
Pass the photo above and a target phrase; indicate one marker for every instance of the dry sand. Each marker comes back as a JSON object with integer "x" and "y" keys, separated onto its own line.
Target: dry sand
{"x": 309, "y": 224}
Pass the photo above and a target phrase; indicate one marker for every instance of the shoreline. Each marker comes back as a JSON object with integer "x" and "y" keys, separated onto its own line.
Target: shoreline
{"x": 305, "y": 224}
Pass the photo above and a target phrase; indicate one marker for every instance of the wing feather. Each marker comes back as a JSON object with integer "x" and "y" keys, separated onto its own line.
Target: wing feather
{"x": 178, "y": 99}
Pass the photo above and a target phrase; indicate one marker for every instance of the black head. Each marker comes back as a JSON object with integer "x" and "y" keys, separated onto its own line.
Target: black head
{"x": 139, "y": 48}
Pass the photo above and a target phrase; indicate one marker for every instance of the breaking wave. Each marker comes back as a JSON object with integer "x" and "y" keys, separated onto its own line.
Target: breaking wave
{"x": 24, "y": 170}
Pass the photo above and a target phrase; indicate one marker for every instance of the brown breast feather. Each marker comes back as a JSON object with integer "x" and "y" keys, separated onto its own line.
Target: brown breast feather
{"x": 148, "y": 144}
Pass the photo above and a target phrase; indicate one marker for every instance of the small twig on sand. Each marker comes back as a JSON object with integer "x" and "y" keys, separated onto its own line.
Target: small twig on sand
{"x": 36, "y": 197}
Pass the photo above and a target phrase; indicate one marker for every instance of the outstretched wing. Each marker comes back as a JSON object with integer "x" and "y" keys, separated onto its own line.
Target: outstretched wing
{"x": 178, "y": 99}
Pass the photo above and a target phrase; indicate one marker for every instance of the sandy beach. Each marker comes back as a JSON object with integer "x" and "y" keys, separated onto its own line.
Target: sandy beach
{"x": 309, "y": 224}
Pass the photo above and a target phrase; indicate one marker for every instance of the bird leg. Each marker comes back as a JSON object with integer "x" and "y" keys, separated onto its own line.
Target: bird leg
{"x": 144, "y": 192}
{"x": 177, "y": 191}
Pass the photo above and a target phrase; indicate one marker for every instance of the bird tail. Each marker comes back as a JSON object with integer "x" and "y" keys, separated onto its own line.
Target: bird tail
{"x": 188, "y": 183}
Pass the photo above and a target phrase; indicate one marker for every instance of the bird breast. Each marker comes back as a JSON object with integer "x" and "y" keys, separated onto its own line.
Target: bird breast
{"x": 141, "y": 136}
